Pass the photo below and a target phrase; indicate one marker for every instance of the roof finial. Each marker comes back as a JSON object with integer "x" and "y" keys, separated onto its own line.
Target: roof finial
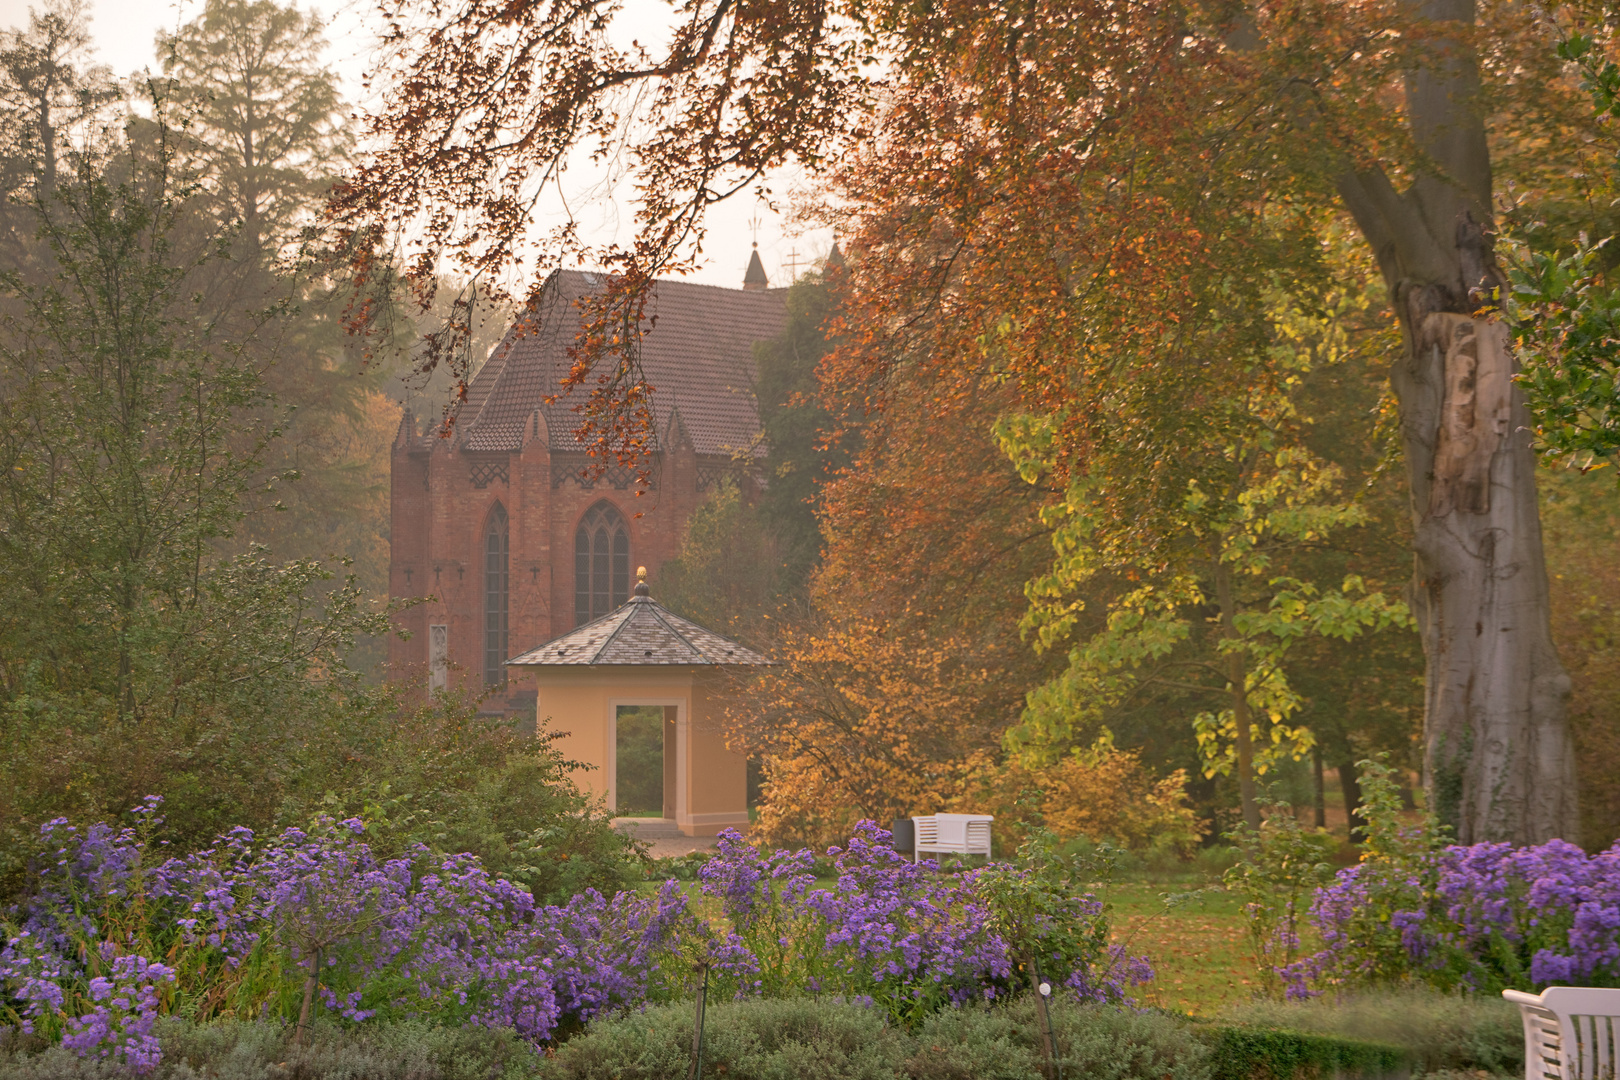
{"x": 754, "y": 279}
{"x": 641, "y": 582}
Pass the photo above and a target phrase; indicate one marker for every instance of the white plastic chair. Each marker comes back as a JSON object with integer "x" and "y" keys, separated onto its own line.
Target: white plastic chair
{"x": 1570, "y": 1032}
{"x": 951, "y": 834}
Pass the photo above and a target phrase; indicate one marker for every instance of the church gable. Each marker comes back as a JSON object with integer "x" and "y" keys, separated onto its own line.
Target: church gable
{"x": 503, "y": 531}
{"x": 697, "y": 354}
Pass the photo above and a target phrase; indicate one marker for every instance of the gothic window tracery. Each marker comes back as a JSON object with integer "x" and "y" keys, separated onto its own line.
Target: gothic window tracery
{"x": 601, "y": 563}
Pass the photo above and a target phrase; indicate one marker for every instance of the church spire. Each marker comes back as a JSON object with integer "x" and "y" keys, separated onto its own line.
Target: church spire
{"x": 755, "y": 279}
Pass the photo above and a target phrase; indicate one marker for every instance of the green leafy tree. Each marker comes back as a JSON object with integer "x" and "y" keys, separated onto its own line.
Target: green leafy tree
{"x": 804, "y": 443}
{"x": 746, "y": 554}
{"x": 1562, "y": 304}
{"x": 264, "y": 134}
{"x": 139, "y": 656}
{"x": 1208, "y": 599}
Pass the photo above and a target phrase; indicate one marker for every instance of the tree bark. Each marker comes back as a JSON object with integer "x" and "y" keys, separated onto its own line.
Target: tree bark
{"x": 1320, "y": 786}
{"x": 1498, "y": 760}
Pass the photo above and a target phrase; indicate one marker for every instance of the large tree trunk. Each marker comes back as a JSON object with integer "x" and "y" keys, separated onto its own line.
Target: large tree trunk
{"x": 1498, "y": 760}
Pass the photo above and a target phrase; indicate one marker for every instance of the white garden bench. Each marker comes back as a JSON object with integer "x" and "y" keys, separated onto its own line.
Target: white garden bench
{"x": 951, "y": 834}
{"x": 1570, "y": 1032}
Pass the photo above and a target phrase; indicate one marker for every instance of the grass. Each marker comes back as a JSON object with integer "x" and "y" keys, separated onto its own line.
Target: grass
{"x": 1197, "y": 946}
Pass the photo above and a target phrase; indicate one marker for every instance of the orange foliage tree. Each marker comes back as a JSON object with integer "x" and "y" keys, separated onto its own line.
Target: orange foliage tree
{"x": 1106, "y": 187}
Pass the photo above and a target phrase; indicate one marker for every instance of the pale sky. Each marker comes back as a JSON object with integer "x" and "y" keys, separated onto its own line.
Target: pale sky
{"x": 125, "y": 29}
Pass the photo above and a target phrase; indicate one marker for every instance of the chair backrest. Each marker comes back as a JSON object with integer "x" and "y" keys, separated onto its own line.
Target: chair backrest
{"x": 1589, "y": 1024}
{"x": 1570, "y": 1032}
{"x": 1543, "y": 1041}
{"x": 952, "y": 829}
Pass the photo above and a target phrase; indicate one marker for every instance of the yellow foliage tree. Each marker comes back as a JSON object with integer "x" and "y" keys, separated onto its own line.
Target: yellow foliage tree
{"x": 863, "y": 720}
{"x": 1102, "y": 794}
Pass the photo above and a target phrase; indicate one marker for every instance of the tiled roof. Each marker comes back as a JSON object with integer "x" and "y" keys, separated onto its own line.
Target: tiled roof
{"x": 697, "y": 354}
{"x": 641, "y": 632}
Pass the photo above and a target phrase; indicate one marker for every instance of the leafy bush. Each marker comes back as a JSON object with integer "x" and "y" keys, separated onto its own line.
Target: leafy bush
{"x": 435, "y": 775}
{"x": 265, "y": 1050}
{"x": 456, "y": 783}
{"x": 1480, "y": 917}
{"x": 798, "y": 1039}
{"x": 1438, "y": 1031}
{"x": 1103, "y": 794}
{"x": 1280, "y": 868}
{"x": 1054, "y": 929}
{"x": 313, "y": 918}
{"x": 904, "y": 936}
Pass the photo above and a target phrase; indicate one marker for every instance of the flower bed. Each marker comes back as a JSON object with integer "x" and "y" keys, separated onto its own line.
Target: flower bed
{"x": 113, "y": 935}
{"x": 1479, "y": 917}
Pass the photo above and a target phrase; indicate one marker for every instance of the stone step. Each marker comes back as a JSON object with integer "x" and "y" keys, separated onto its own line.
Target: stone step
{"x": 647, "y": 828}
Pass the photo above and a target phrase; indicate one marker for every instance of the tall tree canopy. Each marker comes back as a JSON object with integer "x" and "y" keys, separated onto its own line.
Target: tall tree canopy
{"x": 266, "y": 111}
{"x": 1144, "y": 162}
{"x": 264, "y": 138}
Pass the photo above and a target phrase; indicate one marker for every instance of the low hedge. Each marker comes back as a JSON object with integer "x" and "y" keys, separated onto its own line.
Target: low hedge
{"x": 1240, "y": 1053}
{"x": 796, "y": 1039}
{"x": 241, "y": 1050}
{"x": 793, "y": 1039}
{"x": 1094, "y": 1042}
{"x": 1459, "y": 1032}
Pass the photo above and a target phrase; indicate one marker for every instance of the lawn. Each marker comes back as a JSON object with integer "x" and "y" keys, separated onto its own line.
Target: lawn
{"x": 1197, "y": 945}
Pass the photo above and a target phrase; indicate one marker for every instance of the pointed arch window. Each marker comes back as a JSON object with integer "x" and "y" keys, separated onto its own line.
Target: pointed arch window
{"x": 601, "y": 563}
{"x": 497, "y": 550}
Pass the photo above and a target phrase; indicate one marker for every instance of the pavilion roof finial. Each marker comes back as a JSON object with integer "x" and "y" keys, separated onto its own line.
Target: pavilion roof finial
{"x": 641, "y": 582}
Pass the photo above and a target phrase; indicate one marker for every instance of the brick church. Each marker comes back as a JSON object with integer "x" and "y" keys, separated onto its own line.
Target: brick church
{"x": 503, "y": 523}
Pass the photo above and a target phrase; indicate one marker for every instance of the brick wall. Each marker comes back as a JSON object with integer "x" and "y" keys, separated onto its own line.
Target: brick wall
{"x": 439, "y": 516}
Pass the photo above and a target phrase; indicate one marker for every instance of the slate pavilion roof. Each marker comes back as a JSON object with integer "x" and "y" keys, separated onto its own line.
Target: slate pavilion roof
{"x": 697, "y": 354}
{"x": 642, "y": 632}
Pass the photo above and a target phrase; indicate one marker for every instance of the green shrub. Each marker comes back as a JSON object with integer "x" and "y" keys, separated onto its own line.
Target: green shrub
{"x": 1241, "y": 1053}
{"x": 459, "y": 783}
{"x": 677, "y": 867}
{"x": 1206, "y": 864}
{"x": 1094, "y": 1042}
{"x": 238, "y": 1050}
{"x": 1440, "y": 1031}
{"x": 1280, "y": 869}
{"x": 758, "y": 1039}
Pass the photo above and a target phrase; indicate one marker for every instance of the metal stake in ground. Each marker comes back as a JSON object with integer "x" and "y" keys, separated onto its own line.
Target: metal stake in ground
{"x": 1048, "y": 1043}
{"x": 696, "y": 1071}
